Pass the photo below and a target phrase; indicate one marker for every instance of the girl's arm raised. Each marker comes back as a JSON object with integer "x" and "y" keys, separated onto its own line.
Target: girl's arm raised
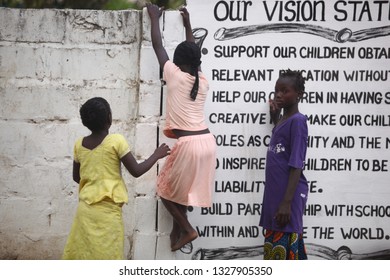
{"x": 274, "y": 112}
{"x": 187, "y": 25}
{"x": 154, "y": 13}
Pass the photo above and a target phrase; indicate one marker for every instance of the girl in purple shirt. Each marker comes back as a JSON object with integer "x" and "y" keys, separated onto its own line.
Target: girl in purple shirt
{"x": 286, "y": 188}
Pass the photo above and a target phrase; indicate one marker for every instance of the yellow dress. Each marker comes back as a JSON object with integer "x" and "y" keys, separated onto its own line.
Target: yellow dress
{"x": 97, "y": 231}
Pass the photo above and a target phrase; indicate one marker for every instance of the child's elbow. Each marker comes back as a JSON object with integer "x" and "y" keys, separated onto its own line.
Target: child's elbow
{"x": 136, "y": 173}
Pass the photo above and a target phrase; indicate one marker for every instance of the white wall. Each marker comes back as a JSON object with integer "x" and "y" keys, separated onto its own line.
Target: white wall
{"x": 52, "y": 61}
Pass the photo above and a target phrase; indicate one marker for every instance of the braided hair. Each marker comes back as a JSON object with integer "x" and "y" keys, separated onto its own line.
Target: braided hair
{"x": 95, "y": 113}
{"x": 296, "y": 76}
{"x": 188, "y": 53}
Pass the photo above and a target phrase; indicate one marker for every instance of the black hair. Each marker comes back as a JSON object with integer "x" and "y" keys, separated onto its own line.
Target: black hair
{"x": 95, "y": 114}
{"x": 188, "y": 53}
{"x": 296, "y": 76}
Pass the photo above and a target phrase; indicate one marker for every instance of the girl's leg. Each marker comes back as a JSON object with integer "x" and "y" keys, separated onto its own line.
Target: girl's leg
{"x": 186, "y": 236}
{"x": 187, "y": 232}
{"x": 176, "y": 230}
{"x": 175, "y": 233}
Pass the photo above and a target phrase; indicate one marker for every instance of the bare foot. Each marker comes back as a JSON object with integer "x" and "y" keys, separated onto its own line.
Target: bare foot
{"x": 184, "y": 239}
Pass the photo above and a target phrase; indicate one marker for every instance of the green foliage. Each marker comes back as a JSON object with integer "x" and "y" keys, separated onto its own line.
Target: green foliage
{"x": 120, "y": 5}
{"x": 169, "y": 4}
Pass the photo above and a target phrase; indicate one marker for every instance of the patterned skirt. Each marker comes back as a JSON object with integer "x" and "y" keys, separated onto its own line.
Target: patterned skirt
{"x": 284, "y": 246}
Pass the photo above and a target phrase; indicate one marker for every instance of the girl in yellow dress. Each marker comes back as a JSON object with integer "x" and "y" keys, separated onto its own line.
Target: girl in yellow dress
{"x": 97, "y": 231}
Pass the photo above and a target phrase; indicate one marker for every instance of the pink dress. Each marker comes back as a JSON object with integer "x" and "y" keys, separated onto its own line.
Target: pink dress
{"x": 188, "y": 175}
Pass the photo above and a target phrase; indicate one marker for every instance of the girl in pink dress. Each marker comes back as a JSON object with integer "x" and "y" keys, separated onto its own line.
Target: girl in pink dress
{"x": 188, "y": 174}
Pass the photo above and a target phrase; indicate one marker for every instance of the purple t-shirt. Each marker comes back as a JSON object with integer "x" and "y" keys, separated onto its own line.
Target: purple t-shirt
{"x": 287, "y": 149}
